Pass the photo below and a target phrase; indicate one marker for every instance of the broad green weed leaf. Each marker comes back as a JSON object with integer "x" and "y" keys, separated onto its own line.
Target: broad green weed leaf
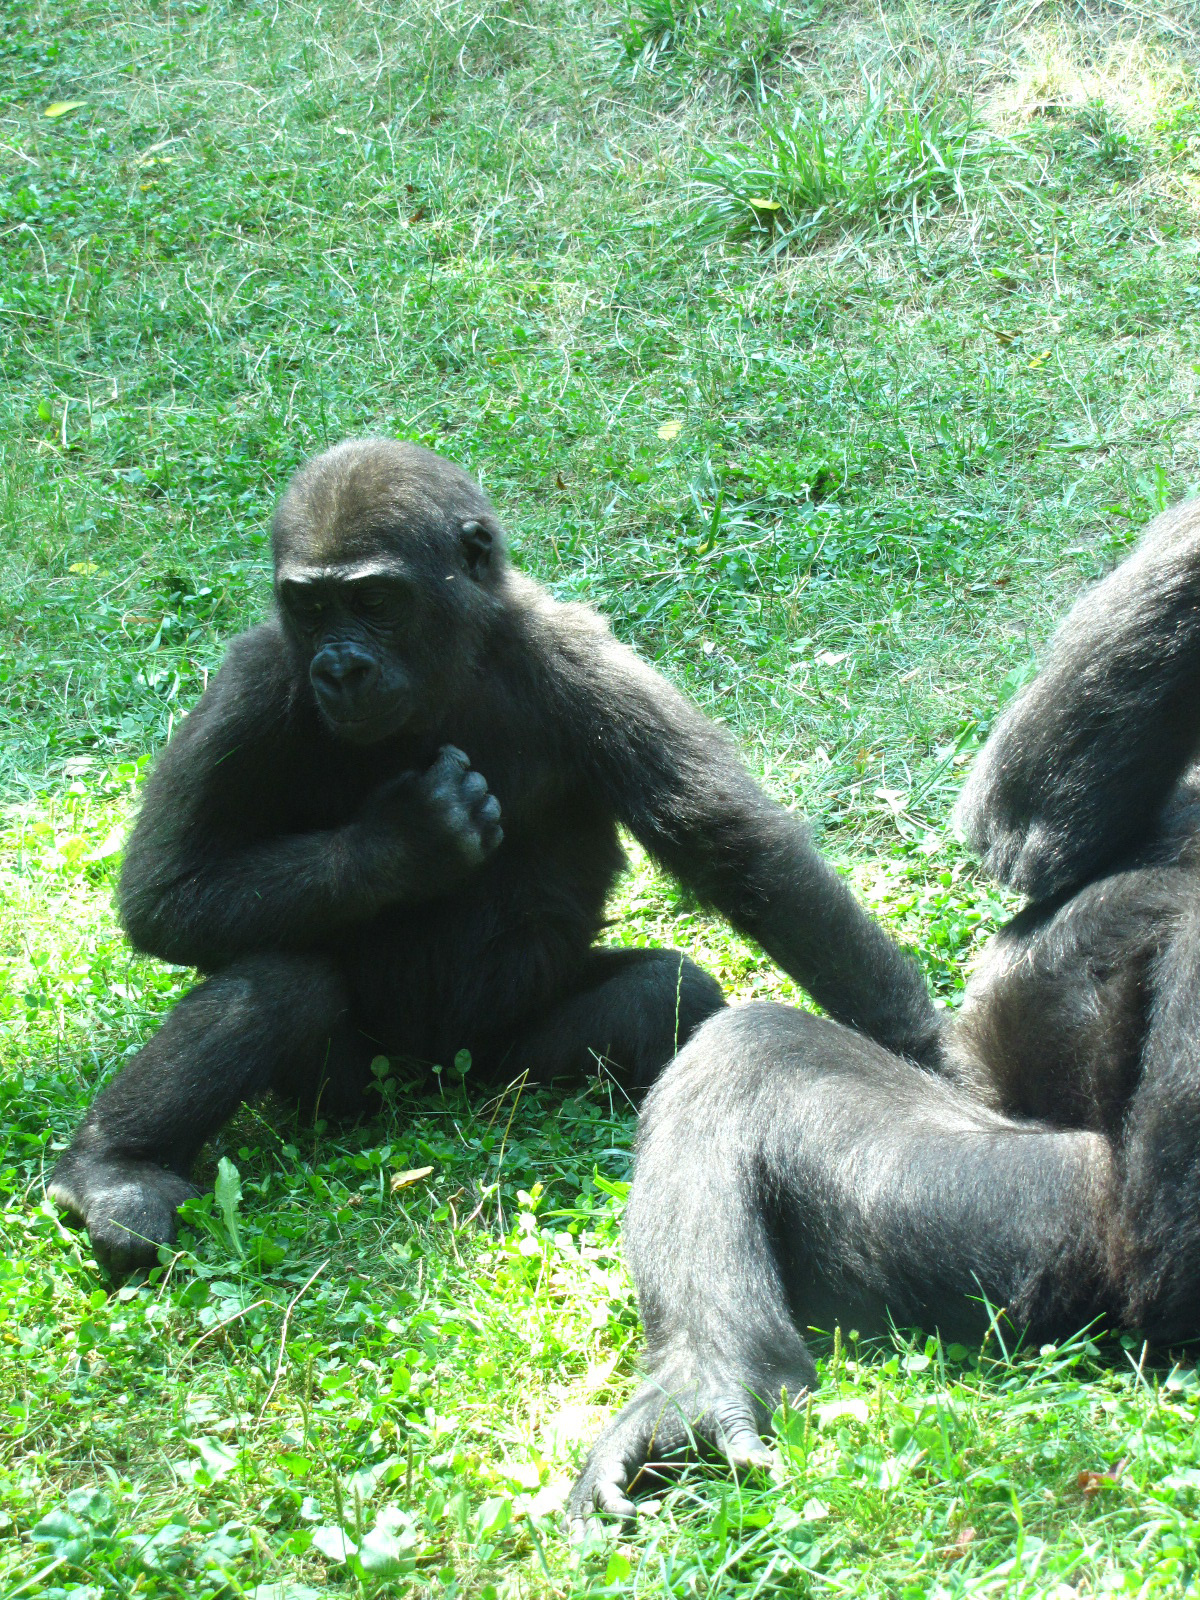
{"x": 495, "y": 1514}
{"x": 66, "y": 1538}
{"x": 228, "y": 1190}
{"x": 390, "y": 1547}
{"x": 334, "y": 1542}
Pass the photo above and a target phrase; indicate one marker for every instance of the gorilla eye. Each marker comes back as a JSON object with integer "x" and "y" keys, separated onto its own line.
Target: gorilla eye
{"x": 376, "y": 602}
{"x": 306, "y": 609}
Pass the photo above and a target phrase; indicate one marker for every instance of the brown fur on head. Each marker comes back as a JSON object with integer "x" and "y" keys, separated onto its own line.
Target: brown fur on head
{"x": 369, "y": 500}
{"x": 389, "y": 567}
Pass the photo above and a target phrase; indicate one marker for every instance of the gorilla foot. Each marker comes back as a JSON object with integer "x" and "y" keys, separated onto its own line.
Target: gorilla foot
{"x": 128, "y": 1207}
{"x": 668, "y": 1415}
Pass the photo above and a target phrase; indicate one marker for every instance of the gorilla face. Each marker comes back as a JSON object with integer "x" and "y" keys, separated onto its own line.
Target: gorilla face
{"x": 356, "y": 629}
{"x": 387, "y": 564}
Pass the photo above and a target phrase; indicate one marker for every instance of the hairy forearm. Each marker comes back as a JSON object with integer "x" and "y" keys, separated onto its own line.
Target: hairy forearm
{"x": 815, "y": 929}
{"x": 676, "y": 780}
{"x": 754, "y": 862}
{"x": 283, "y": 894}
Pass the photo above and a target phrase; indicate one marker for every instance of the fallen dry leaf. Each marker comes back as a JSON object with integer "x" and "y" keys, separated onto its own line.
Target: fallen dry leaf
{"x": 1090, "y": 1484}
{"x": 401, "y": 1180}
{"x": 961, "y": 1545}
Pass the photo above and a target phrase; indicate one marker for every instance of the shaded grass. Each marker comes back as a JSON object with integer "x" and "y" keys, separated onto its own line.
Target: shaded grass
{"x": 894, "y": 452}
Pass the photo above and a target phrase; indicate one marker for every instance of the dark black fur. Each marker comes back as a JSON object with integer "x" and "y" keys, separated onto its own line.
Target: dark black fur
{"x": 314, "y": 839}
{"x": 791, "y": 1173}
{"x": 1079, "y": 766}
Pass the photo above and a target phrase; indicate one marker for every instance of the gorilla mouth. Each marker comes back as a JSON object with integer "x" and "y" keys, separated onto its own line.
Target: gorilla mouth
{"x": 368, "y": 727}
{"x": 357, "y": 728}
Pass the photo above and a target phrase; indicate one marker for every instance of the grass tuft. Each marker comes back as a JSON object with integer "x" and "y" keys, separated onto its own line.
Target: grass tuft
{"x": 738, "y": 45}
{"x": 834, "y": 167}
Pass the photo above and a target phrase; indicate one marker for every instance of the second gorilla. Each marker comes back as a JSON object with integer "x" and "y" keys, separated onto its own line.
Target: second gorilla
{"x": 791, "y": 1173}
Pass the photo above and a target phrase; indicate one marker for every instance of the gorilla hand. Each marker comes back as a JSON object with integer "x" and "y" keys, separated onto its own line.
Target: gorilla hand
{"x": 127, "y": 1206}
{"x": 684, "y": 1405}
{"x": 421, "y": 831}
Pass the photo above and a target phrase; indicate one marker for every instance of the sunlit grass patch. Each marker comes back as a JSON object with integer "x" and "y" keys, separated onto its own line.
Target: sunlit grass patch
{"x": 1062, "y": 70}
{"x": 740, "y": 42}
{"x": 889, "y": 160}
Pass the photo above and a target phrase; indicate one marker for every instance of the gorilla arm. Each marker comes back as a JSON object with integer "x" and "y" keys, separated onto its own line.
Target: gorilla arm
{"x": 677, "y": 782}
{"x": 211, "y": 872}
{"x": 1079, "y": 765}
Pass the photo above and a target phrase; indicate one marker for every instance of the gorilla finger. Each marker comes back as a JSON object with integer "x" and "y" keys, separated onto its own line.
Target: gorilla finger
{"x": 121, "y": 1249}
{"x": 608, "y": 1496}
{"x": 69, "y": 1204}
{"x": 473, "y": 788}
{"x": 491, "y": 837}
{"x": 450, "y": 762}
{"x": 734, "y": 1433}
{"x": 584, "y": 1528}
{"x": 746, "y": 1449}
{"x": 488, "y": 814}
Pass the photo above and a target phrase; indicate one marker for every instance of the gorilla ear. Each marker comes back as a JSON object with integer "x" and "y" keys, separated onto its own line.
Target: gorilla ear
{"x": 479, "y": 540}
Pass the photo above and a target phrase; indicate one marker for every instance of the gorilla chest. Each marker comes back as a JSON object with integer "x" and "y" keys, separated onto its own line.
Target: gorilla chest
{"x": 469, "y": 967}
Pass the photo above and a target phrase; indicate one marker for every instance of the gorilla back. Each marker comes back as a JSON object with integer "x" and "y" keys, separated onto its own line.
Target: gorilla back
{"x": 315, "y": 839}
{"x": 792, "y": 1173}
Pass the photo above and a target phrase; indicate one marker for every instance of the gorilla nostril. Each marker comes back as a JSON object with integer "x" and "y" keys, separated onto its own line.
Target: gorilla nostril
{"x": 342, "y": 673}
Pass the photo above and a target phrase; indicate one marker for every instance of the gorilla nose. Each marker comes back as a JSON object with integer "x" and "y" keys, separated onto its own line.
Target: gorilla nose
{"x": 342, "y": 673}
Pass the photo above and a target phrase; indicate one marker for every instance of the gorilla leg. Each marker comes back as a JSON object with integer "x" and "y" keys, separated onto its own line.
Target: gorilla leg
{"x": 791, "y": 1172}
{"x": 634, "y": 1008}
{"x": 267, "y": 1021}
{"x": 1160, "y": 1199}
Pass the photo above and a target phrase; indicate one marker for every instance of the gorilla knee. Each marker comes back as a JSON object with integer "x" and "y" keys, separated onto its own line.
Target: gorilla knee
{"x": 297, "y": 995}
{"x": 698, "y": 997}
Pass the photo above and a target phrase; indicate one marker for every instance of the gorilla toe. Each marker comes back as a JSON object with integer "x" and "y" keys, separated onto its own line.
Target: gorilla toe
{"x": 128, "y": 1207}
{"x": 669, "y": 1415}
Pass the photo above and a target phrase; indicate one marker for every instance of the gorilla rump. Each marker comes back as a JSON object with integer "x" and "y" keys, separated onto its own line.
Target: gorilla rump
{"x": 792, "y": 1173}
{"x": 391, "y": 824}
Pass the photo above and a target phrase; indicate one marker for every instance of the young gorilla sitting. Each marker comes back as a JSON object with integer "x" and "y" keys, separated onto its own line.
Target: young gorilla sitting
{"x": 792, "y": 1173}
{"x": 315, "y": 839}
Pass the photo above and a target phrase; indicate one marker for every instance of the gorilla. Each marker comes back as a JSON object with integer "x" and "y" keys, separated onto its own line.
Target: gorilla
{"x": 391, "y": 825}
{"x": 792, "y": 1173}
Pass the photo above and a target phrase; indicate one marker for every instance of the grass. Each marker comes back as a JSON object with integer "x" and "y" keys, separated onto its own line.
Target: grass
{"x": 838, "y": 488}
{"x": 825, "y": 169}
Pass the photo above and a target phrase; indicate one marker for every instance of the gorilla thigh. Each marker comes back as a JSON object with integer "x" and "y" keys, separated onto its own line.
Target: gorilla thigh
{"x": 267, "y": 1021}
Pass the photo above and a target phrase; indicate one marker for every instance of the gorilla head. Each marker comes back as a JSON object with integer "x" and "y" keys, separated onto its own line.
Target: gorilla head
{"x": 388, "y": 562}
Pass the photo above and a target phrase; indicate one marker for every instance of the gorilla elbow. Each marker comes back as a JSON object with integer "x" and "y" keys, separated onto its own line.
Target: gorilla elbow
{"x": 147, "y": 930}
{"x": 152, "y": 924}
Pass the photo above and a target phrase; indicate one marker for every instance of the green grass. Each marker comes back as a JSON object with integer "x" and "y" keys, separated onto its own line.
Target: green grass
{"x": 824, "y": 169}
{"x": 835, "y": 463}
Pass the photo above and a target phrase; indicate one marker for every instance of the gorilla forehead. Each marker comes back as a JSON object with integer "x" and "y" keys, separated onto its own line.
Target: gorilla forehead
{"x": 367, "y": 500}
